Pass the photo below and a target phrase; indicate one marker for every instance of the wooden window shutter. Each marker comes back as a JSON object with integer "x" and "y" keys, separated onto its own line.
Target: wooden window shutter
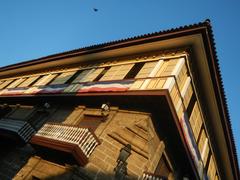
{"x": 203, "y": 147}
{"x": 211, "y": 169}
{"x": 117, "y": 72}
{"x": 196, "y": 121}
{"x": 143, "y": 73}
{"x": 5, "y": 83}
{"x": 16, "y": 83}
{"x": 63, "y": 78}
{"x": 82, "y": 76}
{"x": 146, "y": 69}
{"x": 45, "y": 80}
{"x": 28, "y": 81}
{"x": 93, "y": 74}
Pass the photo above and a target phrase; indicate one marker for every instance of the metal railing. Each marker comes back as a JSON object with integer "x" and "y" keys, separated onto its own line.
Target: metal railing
{"x": 21, "y": 129}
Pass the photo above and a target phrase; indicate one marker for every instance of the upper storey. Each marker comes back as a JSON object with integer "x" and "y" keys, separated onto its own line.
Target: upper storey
{"x": 139, "y": 64}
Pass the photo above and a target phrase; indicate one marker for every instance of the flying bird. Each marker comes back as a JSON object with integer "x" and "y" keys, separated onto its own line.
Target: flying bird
{"x": 95, "y": 9}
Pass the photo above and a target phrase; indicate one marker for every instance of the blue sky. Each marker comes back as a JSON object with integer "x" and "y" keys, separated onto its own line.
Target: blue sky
{"x": 32, "y": 29}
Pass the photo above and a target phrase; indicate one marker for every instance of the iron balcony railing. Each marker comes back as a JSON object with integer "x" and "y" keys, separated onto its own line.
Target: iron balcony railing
{"x": 78, "y": 141}
{"x": 16, "y": 129}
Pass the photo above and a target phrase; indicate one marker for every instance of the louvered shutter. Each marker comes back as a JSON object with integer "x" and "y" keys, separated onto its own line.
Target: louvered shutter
{"x": 203, "y": 147}
{"x": 211, "y": 169}
{"x": 196, "y": 121}
{"x": 117, "y": 72}
{"x": 143, "y": 73}
{"x": 82, "y": 76}
{"x": 62, "y": 78}
{"x": 16, "y": 83}
{"x": 28, "y": 81}
{"x": 5, "y": 83}
{"x": 93, "y": 75}
{"x": 45, "y": 80}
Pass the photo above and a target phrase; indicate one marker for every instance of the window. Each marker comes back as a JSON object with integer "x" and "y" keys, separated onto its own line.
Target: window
{"x": 4, "y": 110}
{"x": 63, "y": 78}
{"x": 82, "y": 76}
{"x": 5, "y": 83}
{"x": 134, "y": 71}
{"x": 101, "y": 74}
{"x": 16, "y": 83}
{"x": 37, "y": 119}
{"x": 44, "y": 80}
{"x": 29, "y": 81}
{"x": 117, "y": 72}
{"x": 203, "y": 147}
{"x": 196, "y": 120}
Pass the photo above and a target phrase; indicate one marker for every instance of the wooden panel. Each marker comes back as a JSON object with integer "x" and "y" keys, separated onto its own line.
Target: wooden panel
{"x": 63, "y": 77}
{"x": 28, "y": 81}
{"x": 143, "y": 73}
{"x": 196, "y": 121}
{"x": 16, "y": 83}
{"x": 82, "y": 76}
{"x": 93, "y": 75}
{"x": 117, "y": 72}
{"x": 146, "y": 69}
{"x": 45, "y": 80}
{"x": 5, "y": 83}
{"x": 211, "y": 169}
{"x": 203, "y": 147}
{"x": 187, "y": 91}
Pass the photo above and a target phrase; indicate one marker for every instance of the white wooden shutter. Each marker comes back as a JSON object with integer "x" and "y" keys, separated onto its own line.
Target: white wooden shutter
{"x": 63, "y": 77}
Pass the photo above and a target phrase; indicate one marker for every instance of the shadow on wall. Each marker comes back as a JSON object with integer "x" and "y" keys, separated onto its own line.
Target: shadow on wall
{"x": 77, "y": 173}
{"x": 12, "y": 159}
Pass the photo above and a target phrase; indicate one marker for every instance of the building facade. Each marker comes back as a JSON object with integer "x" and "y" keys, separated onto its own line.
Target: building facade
{"x": 148, "y": 107}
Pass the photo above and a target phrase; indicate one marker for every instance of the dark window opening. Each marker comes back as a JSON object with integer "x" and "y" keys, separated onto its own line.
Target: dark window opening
{"x": 191, "y": 104}
{"x": 38, "y": 119}
{"x": 4, "y": 110}
{"x": 101, "y": 74}
{"x": 134, "y": 71}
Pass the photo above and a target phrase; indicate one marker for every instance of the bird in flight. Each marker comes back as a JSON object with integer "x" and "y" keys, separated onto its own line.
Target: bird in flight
{"x": 95, "y": 9}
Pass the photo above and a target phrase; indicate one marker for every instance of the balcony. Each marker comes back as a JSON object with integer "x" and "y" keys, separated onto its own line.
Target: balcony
{"x": 150, "y": 176}
{"x": 79, "y": 142}
{"x": 16, "y": 130}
